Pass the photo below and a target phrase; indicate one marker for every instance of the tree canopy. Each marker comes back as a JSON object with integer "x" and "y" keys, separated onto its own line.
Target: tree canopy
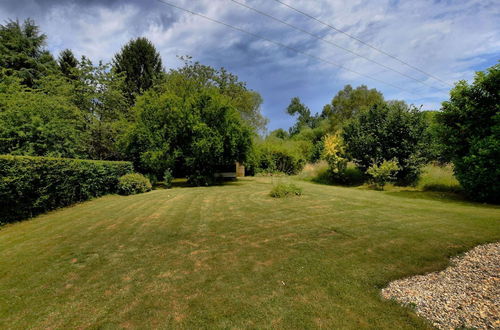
{"x": 349, "y": 102}
{"x": 22, "y": 51}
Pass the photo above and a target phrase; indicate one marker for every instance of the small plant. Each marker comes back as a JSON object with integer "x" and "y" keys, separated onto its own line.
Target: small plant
{"x": 167, "y": 178}
{"x": 334, "y": 154}
{"x": 285, "y": 189}
{"x": 383, "y": 173}
{"x": 133, "y": 183}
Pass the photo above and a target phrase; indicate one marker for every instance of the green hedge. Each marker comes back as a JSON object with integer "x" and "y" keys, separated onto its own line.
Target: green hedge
{"x": 33, "y": 185}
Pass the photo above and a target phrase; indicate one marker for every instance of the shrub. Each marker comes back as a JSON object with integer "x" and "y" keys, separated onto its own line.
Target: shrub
{"x": 469, "y": 127}
{"x": 167, "y": 178}
{"x": 383, "y": 173}
{"x": 285, "y": 189}
{"x": 333, "y": 153}
{"x": 33, "y": 185}
{"x": 133, "y": 183}
{"x": 276, "y": 155}
{"x": 391, "y": 130}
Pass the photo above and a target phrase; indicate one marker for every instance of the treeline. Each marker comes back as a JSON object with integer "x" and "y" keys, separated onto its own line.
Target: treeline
{"x": 187, "y": 121}
{"x": 362, "y": 136}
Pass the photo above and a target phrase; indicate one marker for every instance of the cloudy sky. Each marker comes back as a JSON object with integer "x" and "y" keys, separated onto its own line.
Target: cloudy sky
{"x": 449, "y": 39}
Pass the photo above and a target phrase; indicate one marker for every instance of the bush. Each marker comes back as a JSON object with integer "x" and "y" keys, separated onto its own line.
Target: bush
{"x": 133, "y": 183}
{"x": 469, "y": 128}
{"x": 33, "y": 185}
{"x": 383, "y": 173}
{"x": 285, "y": 189}
{"x": 276, "y": 155}
{"x": 168, "y": 177}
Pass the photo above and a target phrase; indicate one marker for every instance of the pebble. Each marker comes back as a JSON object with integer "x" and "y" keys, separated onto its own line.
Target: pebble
{"x": 464, "y": 295}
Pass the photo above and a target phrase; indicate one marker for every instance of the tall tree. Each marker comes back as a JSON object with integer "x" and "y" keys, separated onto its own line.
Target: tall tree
{"x": 22, "y": 51}
{"x": 245, "y": 100}
{"x": 141, "y": 64}
{"x": 350, "y": 101}
{"x": 67, "y": 63}
{"x": 304, "y": 119}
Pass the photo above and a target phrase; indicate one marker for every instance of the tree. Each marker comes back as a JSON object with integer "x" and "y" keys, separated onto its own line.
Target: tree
{"x": 470, "y": 134}
{"x": 22, "y": 52}
{"x": 349, "y": 102}
{"x": 246, "y": 101}
{"x": 67, "y": 63}
{"x": 97, "y": 92}
{"x": 304, "y": 119}
{"x": 39, "y": 122}
{"x": 141, "y": 64}
{"x": 194, "y": 131}
{"x": 385, "y": 132}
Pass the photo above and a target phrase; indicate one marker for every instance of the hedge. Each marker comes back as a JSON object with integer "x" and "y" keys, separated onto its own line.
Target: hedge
{"x": 33, "y": 185}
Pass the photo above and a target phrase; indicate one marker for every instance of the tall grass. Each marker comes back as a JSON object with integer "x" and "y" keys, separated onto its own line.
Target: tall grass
{"x": 439, "y": 178}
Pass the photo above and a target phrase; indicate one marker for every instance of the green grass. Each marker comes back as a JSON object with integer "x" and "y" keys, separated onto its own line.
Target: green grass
{"x": 439, "y": 178}
{"x": 231, "y": 256}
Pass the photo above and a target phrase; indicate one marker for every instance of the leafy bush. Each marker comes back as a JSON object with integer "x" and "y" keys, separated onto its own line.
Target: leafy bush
{"x": 387, "y": 131}
{"x": 168, "y": 177}
{"x": 285, "y": 189}
{"x": 133, "y": 183}
{"x": 33, "y": 185}
{"x": 383, "y": 173}
{"x": 276, "y": 155}
{"x": 333, "y": 153}
{"x": 470, "y": 134}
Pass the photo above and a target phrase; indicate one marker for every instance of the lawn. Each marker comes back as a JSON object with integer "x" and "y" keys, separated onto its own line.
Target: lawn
{"x": 232, "y": 257}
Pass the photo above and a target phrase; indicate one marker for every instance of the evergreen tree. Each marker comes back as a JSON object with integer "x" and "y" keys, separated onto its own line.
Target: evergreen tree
{"x": 141, "y": 64}
{"x": 67, "y": 63}
{"x": 22, "y": 51}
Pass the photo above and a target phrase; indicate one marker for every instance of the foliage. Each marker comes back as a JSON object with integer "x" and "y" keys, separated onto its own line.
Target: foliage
{"x": 22, "y": 53}
{"x": 168, "y": 177}
{"x": 383, "y": 173}
{"x": 281, "y": 190}
{"x": 439, "y": 177}
{"x": 470, "y": 134}
{"x": 141, "y": 64}
{"x": 304, "y": 119}
{"x": 388, "y": 131}
{"x": 133, "y": 183}
{"x": 38, "y": 122}
{"x": 67, "y": 63}
{"x": 97, "y": 92}
{"x": 187, "y": 130}
{"x": 33, "y": 185}
{"x": 247, "y": 102}
{"x": 334, "y": 154}
{"x": 349, "y": 102}
{"x": 277, "y": 155}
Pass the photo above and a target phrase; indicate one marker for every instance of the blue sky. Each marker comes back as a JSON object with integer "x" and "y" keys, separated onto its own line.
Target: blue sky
{"x": 449, "y": 39}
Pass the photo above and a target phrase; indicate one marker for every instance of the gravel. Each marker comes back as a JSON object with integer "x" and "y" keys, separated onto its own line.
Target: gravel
{"x": 464, "y": 295}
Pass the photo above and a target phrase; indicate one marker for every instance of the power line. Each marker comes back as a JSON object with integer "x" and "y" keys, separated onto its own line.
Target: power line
{"x": 317, "y": 37}
{"x": 284, "y": 46}
{"x": 363, "y": 42}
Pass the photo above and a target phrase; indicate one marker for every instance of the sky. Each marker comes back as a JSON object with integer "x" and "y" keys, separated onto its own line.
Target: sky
{"x": 448, "y": 39}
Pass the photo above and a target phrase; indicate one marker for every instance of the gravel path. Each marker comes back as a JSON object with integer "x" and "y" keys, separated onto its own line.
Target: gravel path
{"x": 466, "y": 294}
